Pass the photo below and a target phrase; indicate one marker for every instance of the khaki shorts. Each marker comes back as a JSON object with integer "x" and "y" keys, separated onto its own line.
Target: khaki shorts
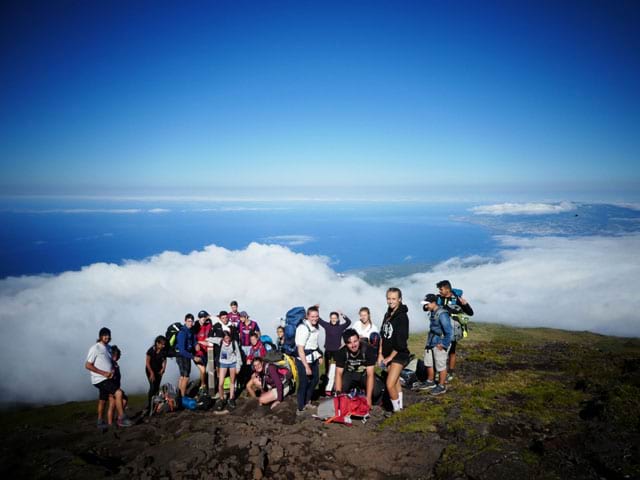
{"x": 437, "y": 356}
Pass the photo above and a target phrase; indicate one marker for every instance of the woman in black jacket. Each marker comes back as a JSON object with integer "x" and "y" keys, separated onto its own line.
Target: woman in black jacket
{"x": 393, "y": 352}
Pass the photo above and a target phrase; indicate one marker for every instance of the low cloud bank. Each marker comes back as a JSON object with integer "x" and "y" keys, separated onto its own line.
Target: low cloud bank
{"x": 523, "y": 208}
{"x": 47, "y": 323}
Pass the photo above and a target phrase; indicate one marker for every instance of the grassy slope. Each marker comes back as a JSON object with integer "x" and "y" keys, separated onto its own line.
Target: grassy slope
{"x": 517, "y": 386}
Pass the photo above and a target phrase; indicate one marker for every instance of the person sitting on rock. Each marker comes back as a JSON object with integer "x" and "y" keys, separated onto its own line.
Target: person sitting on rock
{"x": 267, "y": 379}
{"x": 355, "y": 367}
{"x": 230, "y": 361}
{"x": 437, "y": 346}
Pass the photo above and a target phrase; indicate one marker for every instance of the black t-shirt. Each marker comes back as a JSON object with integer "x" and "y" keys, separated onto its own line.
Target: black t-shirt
{"x": 156, "y": 359}
{"x": 365, "y": 357}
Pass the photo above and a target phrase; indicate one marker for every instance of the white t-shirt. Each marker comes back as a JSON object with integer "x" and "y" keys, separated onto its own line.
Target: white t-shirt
{"x": 307, "y": 336}
{"x": 100, "y": 356}
{"x": 365, "y": 330}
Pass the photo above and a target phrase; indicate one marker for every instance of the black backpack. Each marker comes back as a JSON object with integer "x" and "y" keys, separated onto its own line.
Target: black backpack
{"x": 172, "y": 339}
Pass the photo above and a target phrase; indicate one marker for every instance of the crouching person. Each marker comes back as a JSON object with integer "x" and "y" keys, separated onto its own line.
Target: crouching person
{"x": 269, "y": 381}
{"x": 438, "y": 344}
{"x": 355, "y": 367}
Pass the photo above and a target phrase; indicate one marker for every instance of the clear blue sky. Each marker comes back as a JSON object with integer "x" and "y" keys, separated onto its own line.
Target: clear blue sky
{"x": 106, "y": 97}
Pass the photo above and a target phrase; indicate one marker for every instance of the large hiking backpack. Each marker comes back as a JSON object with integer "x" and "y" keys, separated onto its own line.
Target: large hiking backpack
{"x": 459, "y": 322}
{"x": 341, "y": 408}
{"x": 172, "y": 339}
{"x": 267, "y": 342}
{"x": 294, "y": 317}
{"x": 286, "y": 366}
{"x": 165, "y": 401}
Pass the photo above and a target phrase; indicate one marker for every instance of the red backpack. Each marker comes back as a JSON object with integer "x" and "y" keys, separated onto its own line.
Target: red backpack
{"x": 340, "y": 409}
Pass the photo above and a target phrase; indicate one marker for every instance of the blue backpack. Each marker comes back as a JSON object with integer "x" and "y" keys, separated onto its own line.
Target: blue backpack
{"x": 294, "y": 317}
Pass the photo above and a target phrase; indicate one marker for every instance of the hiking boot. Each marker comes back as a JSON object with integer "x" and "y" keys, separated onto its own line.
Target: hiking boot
{"x": 231, "y": 403}
{"x": 426, "y": 385}
{"x": 219, "y": 405}
{"x": 438, "y": 390}
{"x": 102, "y": 425}
{"x": 124, "y": 422}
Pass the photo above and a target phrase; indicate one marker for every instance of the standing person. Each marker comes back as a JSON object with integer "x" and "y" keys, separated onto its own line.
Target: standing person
{"x": 100, "y": 364}
{"x": 355, "y": 367}
{"x": 257, "y": 349}
{"x": 245, "y": 327}
{"x": 333, "y": 331}
{"x": 279, "y": 338}
{"x": 185, "y": 344}
{"x": 234, "y": 315}
{"x": 447, "y": 298}
{"x": 439, "y": 341}
{"x": 365, "y": 327}
{"x": 231, "y": 361}
{"x": 155, "y": 365}
{"x": 308, "y": 358}
{"x": 393, "y": 352}
{"x": 117, "y": 379}
{"x": 204, "y": 329}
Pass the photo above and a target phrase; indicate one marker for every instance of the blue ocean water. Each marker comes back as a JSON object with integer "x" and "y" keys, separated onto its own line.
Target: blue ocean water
{"x": 45, "y": 236}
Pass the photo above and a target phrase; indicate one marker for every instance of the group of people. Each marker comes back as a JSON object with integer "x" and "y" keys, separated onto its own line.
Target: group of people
{"x": 230, "y": 344}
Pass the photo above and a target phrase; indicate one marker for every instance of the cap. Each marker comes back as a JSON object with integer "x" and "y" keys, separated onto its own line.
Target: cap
{"x": 222, "y": 313}
{"x": 104, "y": 331}
{"x": 203, "y": 314}
{"x": 244, "y": 314}
{"x": 429, "y": 298}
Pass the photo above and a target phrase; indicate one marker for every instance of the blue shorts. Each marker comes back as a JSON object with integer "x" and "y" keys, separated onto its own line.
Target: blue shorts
{"x": 228, "y": 365}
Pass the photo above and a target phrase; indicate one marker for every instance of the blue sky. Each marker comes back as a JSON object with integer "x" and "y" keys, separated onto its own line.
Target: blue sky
{"x": 117, "y": 98}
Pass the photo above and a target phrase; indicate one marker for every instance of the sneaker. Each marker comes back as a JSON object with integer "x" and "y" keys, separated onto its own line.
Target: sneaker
{"x": 438, "y": 390}
{"x": 219, "y": 405}
{"x": 124, "y": 422}
{"x": 426, "y": 385}
{"x": 231, "y": 403}
{"x": 102, "y": 425}
{"x": 450, "y": 377}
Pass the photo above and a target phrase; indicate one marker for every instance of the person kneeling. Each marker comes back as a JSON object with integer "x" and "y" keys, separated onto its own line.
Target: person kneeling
{"x": 355, "y": 367}
{"x": 267, "y": 379}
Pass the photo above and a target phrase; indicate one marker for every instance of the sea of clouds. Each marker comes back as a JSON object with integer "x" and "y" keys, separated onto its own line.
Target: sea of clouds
{"x": 48, "y": 323}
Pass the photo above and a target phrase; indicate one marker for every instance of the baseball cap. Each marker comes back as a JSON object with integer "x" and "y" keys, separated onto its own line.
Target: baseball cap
{"x": 203, "y": 314}
{"x": 429, "y": 298}
{"x": 244, "y": 314}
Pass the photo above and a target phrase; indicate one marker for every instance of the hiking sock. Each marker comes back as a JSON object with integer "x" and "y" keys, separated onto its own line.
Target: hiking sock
{"x": 400, "y": 400}
{"x": 396, "y": 405}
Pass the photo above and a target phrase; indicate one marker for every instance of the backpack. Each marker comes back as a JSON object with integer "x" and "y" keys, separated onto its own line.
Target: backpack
{"x": 459, "y": 322}
{"x": 341, "y": 408}
{"x": 294, "y": 317}
{"x": 286, "y": 366}
{"x": 267, "y": 342}
{"x": 172, "y": 339}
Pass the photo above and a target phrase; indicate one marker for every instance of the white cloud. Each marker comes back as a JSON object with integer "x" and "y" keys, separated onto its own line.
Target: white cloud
{"x": 159, "y": 210}
{"x": 289, "y": 240}
{"x": 47, "y": 323}
{"x": 523, "y": 208}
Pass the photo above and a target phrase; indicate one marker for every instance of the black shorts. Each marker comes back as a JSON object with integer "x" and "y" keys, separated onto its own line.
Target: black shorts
{"x": 453, "y": 347}
{"x": 401, "y": 358}
{"x": 107, "y": 387}
{"x": 184, "y": 365}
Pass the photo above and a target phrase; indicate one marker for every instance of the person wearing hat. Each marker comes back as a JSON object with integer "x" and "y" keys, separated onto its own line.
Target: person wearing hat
{"x": 438, "y": 344}
{"x": 100, "y": 364}
{"x": 203, "y": 326}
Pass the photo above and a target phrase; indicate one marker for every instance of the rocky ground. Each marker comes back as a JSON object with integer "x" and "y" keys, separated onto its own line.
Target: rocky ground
{"x": 524, "y": 404}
